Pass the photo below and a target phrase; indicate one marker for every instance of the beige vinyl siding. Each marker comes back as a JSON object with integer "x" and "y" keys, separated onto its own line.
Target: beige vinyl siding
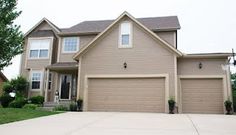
{"x": 34, "y": 93}
{"x": 37, "y": 63}
{"x": 146, "y": 57}
{"x": 84, "y": 40}
{"x": 190, "y": 66}
{"x": 202, "y": 95}
{"x": 126, "y": 94}
{"x": 54, "y": 50}
{"x": 23, "y": 70}
{"x": 68, "y": 57}
{"x": 168, "y": 36}
{"x": 44, "y": 26}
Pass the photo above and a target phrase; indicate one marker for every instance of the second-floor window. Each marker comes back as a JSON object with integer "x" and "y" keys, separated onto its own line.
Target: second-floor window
{"x": 125, "y": 35}
{"x": 39, "y": 48}
{"x": 70, "y": 44}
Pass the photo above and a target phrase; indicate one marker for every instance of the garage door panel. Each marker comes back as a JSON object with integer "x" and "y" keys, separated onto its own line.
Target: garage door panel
{"x": 126, "y": 94}
{"x": 202, "y": 95}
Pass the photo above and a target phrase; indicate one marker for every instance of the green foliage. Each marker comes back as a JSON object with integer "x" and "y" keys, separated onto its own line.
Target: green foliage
{"x": 228, "y": 102}
{"x": 234, "y": 100}
{"x": 233, "y": 78}
{"x": 7, "y": 87}
{"x": 37, "y": 100}
{"x": 171, "y": 100}
{"x": 30, "y": 106}
{"x": 11, "y": 38}
{"x": 60, "y": 108}
{"x": 73, "y": 106}
{"x": 5, "y": 100}
{"x": 20, "y": 84}
{"x": 18, "y": 103}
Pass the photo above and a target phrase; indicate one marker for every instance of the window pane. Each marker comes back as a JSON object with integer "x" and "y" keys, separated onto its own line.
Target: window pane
{"x": 50, "y": 77}
{"x": 33, "y": 53}
{"x": 36, "y": 76}
{"x": 49, "y": 85}
{"x": 70, "y": 44}
{"x": 43, "y": 53}
{"x": 125, "y": 39}
{"x": 35, "y": 84}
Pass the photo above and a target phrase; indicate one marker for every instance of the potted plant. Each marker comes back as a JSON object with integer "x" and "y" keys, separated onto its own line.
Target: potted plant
{"x": 80, "y": 104}
{"x": 171, "y": 103}
{"x": 73, "y": 106}
{"x": 228, "y": 106}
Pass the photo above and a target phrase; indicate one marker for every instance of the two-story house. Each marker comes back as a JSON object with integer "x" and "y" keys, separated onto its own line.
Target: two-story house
{"x": 126, "y": 64}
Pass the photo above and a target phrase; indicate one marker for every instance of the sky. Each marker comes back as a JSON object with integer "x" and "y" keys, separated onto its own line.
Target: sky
{"x": 206, "y": 25}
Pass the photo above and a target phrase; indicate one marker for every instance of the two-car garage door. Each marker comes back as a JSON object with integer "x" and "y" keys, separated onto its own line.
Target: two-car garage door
{"x": 202, "y": 95}
{"x": 126, "y": 94}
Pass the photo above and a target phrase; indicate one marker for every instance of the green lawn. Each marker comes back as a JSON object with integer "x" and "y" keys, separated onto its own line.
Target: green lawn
{"x": 13, "y": 114}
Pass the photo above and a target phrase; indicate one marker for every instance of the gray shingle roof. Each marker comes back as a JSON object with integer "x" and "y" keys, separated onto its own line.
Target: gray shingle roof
{"x": 153, "y": 23}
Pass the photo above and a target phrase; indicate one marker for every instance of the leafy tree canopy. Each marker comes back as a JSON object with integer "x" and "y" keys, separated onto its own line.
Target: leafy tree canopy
{"x": 11, "y": 38}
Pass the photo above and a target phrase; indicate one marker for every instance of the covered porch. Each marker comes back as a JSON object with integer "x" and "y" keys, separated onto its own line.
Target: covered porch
{"x": 61, "y": 83}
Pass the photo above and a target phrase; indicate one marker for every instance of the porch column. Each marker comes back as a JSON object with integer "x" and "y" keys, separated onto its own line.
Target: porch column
{"x": 46, "y": 89}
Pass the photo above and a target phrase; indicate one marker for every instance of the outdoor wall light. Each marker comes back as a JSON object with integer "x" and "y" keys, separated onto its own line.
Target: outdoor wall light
{"x": 200, "y": 65}
{"x": 125, "y": 65}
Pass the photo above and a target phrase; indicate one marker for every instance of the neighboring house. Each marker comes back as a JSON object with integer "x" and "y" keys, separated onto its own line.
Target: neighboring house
{"x": 3, "y": 79}
{"x": 127, "y": 64}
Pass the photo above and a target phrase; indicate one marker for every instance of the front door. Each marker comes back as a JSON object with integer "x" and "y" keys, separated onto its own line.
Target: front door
{"x": 65, "y": 86}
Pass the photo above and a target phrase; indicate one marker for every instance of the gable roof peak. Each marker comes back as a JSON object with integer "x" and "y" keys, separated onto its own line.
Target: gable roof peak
{"x": 44, "y": 19}
{"x": 84, "y": 49}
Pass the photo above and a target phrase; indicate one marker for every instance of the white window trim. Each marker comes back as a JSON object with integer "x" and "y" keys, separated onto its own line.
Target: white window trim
{"x": 39, "y": 38}
{"x": 77, "y": 46}
{"x": 130, "y": 45}
{"x": 41, "y": 80}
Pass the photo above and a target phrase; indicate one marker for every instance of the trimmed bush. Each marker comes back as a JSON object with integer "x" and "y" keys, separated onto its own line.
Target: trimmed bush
{"x": 18, "y": 103}
{"x": 60, "y": 108}
{"x": 5, "y": 100}
{"x": 30, "y": 106}
{"x": 20, "y": 84}
{"x": 73, "y": 106}
{"x": 37, "y": 100}
{"x": 7, "y": 87}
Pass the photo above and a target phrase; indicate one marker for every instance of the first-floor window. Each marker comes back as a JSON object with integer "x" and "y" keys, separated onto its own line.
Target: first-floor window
{"x": 36, "y": 80}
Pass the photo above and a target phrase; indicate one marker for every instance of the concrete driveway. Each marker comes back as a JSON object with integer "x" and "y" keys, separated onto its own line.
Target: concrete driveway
{"x": 106, "y": 123}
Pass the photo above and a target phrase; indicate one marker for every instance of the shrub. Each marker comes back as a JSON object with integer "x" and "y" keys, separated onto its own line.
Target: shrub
{"x": 18, "y": 103}
{"x": 37, "y": 100}
{"x": 171, "y": 103}
{"x": 73, "y": 106}
{"x": 228, "y": 106}
{"x": 30, "y": 106}
{"x": 60, "y": 108}
{"x": 5, "y": 100}
{"x": 20, "y": 84}
{"x": 7, "y": 87}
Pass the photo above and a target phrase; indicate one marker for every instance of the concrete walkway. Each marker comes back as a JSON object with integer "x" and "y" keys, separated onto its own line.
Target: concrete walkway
{"x": 104, "y": 123}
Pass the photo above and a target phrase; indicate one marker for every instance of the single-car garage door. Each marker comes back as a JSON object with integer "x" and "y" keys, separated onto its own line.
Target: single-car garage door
{"x": 202, "y": 95}
{"x": 126, "y": 94}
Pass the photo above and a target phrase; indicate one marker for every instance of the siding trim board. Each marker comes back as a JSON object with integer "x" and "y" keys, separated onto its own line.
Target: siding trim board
{"x": 120, "y": 76}
{"x": 224, "y": 83}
